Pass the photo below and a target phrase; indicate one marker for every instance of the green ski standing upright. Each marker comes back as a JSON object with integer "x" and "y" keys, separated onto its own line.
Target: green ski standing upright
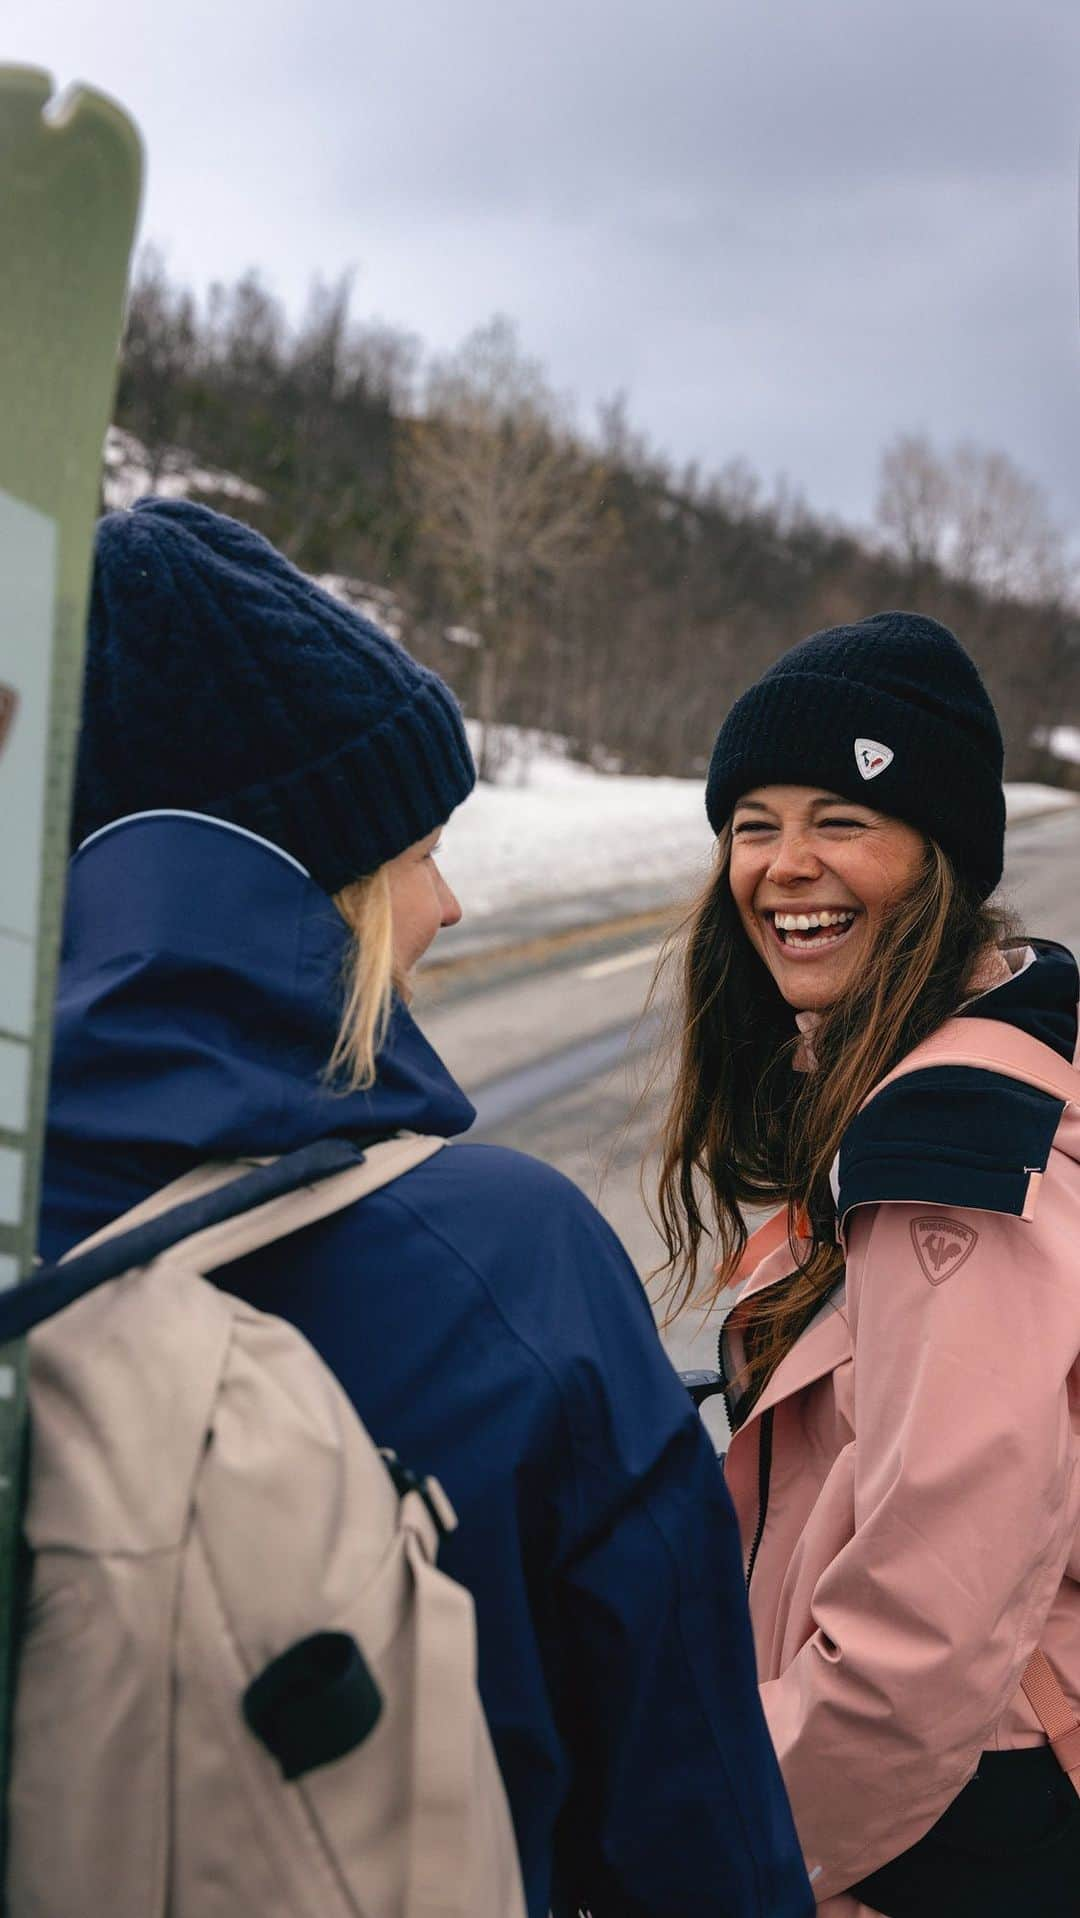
{"x": 69, "y": 191}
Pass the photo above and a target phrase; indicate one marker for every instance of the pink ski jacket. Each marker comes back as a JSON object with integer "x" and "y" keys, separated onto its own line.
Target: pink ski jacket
{"x": 921, "y": 1535}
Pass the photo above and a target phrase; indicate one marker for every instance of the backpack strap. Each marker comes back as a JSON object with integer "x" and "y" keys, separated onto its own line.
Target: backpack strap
{"x": 218, "y": 1212}
{"x": 442, "y": 1705}
{"x": 268, "y": 1213}
{"x": 1054, "y": 1713}
{"x": 993, "y": 1046}
{"x": 988, "y": 1045}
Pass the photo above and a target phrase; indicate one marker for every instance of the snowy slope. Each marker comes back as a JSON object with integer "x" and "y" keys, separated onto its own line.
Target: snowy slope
{"x": 130, "y": 475}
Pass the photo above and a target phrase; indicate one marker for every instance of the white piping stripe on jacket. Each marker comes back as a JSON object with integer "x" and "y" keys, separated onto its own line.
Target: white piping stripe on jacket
{"x": 206, "y": 819}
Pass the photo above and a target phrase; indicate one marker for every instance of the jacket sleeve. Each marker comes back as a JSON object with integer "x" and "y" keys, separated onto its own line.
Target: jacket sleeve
{"x": 962, "y": 1480}
{"x": 677, "y": 1808}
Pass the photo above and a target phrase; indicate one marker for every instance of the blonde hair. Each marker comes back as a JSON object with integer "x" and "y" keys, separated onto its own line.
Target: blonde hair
{"x": 369, "y": 981}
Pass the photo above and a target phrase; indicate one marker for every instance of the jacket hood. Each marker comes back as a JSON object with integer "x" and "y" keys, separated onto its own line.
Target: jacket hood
{"x": 199, "y": 996}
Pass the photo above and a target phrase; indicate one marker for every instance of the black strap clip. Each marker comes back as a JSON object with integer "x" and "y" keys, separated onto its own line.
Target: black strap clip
{"x": 439, "y": 1507}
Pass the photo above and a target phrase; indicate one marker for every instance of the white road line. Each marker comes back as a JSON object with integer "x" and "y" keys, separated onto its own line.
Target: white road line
{"x": 620, "y": 962}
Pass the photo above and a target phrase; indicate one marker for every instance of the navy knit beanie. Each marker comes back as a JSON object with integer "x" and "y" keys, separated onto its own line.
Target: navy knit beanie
{"x": 890, "y": 711}
{"x": 220, "y": 680}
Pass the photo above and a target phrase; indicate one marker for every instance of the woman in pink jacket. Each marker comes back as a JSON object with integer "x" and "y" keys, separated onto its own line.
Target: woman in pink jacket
{"x": 901, "y": 1364}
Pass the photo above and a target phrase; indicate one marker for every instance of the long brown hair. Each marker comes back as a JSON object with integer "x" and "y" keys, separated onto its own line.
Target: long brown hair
{"x": 745, "y": 1129}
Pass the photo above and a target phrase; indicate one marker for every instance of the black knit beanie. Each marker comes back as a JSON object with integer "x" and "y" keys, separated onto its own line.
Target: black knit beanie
{"x": 220, "y": 680}
{"x": 890, "y": 711}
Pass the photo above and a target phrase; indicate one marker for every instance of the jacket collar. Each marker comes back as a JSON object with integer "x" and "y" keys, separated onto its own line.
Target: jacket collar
{"x": 823, "y": 1345}
{"x": 1039, "y": 996}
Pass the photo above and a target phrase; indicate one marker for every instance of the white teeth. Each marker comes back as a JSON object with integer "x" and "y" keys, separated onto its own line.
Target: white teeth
{"x": 805, "y": 922}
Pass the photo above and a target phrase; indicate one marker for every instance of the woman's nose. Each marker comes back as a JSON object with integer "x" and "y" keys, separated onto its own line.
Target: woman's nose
{"x": 451, "y": 908}
{"x": 793, "y": 858}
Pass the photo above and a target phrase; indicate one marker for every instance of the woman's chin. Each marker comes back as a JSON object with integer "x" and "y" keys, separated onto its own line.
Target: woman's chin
{"x": 815, "y": 985}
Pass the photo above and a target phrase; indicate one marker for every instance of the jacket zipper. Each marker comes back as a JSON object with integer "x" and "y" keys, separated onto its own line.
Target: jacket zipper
{"x": 765, "y": 1430}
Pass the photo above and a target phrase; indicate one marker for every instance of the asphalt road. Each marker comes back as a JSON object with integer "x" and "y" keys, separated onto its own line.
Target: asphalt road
{"x": 559, "y": 1058}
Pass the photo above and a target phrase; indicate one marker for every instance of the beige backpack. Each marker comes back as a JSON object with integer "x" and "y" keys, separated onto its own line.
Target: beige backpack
{"x": 243, "y": 1687}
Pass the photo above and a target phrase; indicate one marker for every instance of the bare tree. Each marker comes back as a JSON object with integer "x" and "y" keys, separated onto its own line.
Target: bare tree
{"x": 596, "y": 590}
{"x": 384, "y": 359}
{"x": 972, "y": 514}
{"x": 913, "y": 503}
{"x": 1003, "y": 537}
{"x": 508, "y": 502}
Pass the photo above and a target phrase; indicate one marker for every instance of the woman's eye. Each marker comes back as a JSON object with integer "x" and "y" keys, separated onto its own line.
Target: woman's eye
{"x": 751, "y": 826}
{"x": 837, "y": 820}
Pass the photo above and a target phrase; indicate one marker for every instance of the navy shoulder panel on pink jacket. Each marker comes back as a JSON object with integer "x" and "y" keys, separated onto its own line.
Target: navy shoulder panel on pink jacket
{"x": 962, "y": 1136}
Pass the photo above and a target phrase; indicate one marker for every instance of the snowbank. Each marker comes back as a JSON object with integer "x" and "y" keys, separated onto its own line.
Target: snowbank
{"x": 376, "y": 603}
{"x": 554, "y": 829}
{"x": 1024, "y": 801}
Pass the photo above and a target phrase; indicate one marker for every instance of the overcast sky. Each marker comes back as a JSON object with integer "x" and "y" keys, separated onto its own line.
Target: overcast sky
{"x": 788, "y": 229}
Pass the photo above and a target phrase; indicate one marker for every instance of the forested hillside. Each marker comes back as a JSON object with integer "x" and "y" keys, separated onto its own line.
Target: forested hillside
{"x": 569, "y": 579}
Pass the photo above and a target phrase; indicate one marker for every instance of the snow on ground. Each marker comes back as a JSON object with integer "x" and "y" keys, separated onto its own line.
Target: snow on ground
{"x": 130, "y": 474}
{"x": 376, "y": 603}
{"x": 553, "y": 829}
{"x": 1023, "y": 800}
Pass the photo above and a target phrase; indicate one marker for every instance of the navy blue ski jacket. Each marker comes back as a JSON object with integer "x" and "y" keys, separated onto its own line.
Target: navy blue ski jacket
{"x": 487, "y": 1325}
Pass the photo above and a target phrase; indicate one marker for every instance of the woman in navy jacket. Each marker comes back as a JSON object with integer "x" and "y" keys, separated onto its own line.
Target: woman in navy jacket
{"x": 261, "y": 781}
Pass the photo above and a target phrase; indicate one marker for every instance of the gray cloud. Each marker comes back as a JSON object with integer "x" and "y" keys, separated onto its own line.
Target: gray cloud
{"x": 788, "y": 230}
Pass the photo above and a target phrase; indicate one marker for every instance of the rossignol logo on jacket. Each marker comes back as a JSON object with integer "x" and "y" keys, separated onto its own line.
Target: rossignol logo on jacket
{"x": 942, "y": 1245}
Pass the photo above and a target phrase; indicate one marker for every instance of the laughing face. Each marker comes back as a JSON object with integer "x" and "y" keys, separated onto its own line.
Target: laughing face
{"x": 812, "y": 876}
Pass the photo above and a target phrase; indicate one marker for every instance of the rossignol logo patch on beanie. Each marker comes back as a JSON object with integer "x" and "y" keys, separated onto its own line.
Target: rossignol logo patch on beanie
{"x": 872, "y": 758}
